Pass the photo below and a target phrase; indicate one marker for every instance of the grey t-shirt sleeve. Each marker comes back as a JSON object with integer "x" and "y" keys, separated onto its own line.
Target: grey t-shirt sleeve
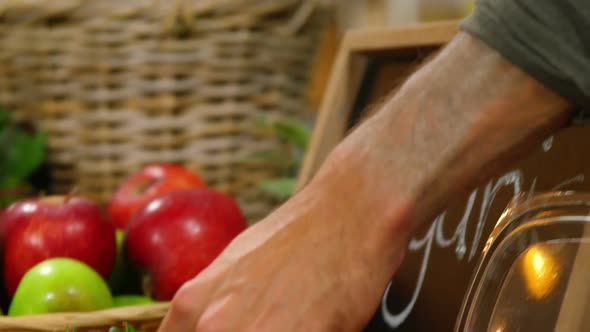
{"x": 548, "y": 39}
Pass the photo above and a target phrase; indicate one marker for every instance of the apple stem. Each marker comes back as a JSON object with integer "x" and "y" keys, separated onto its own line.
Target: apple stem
{"x": 147, "y": 285}
{"x": 75, "y": 191}
{"x": 143, "y": 186}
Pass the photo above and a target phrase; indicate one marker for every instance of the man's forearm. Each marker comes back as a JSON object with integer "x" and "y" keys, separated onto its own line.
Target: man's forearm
{"x": 460, "y": 119}
{"x": 320, "y": 262}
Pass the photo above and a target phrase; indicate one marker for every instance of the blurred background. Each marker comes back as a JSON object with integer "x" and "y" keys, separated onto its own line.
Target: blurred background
{"x": 92, "y": 90}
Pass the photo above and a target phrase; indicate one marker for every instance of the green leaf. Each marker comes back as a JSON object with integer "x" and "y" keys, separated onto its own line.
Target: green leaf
{"x": 296, "y": 135}
{"x": 115, "y": 329}
{"x": 21, "y": 154}
{"x": 276, "y": 158}
{"x": 280, "y": 188}
{"x": 7, "y": 200}
{"x": 291, "y": 129}
{"x": 128, "y": 327}
{"x": 4, "y": 117}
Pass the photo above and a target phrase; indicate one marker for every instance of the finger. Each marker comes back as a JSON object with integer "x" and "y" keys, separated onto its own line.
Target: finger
{"x": 225, "y": 311}
{"x": 217, "y": 318}
{"x": 186, "y": 308}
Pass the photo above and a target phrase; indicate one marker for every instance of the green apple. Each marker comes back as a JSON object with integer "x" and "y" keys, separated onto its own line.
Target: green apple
{"x": 60, "y": 285}
{"x": 124, "y": 279}
{"x": 131, "y": 300}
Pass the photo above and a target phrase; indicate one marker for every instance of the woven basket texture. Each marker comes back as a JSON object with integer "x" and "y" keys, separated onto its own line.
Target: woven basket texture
{"x": 144, "y": 318}
{"x": 120, "y": 84}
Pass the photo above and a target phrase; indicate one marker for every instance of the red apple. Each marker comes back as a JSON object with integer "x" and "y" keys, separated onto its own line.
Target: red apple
{"x": 144, "y": 185}
{"x": 38, "y": 229}
{"x": 175, "y": 236}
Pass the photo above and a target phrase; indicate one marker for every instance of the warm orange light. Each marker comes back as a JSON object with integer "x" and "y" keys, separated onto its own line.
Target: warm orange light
{"x": 541, "y": 272}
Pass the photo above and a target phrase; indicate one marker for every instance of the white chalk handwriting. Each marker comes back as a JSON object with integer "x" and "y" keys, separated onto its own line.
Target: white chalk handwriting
{"x": 435, "y": 234}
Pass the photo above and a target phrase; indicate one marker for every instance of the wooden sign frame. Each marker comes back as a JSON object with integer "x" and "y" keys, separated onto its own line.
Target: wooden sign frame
{"x": 352, "y": 64}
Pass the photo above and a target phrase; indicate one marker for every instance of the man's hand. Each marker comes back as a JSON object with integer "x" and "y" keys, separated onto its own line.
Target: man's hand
{"x": 310, "y": 266}
{"x": 321, "y": 261}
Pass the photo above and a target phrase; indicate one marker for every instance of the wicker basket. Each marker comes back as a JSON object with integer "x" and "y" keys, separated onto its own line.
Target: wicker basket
{"x": 119, "y": 84}
{"x": 144, "y": 318}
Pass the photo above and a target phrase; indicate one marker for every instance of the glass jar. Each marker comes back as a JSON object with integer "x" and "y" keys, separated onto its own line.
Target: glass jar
{"x": 534, "y": 273}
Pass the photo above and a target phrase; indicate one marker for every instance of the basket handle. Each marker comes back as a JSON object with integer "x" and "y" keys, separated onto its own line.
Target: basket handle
{"x": 300, "y": 18}
{"x": 180, "y": 11}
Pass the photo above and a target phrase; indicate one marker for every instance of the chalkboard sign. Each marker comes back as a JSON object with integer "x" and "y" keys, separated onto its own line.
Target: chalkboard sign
{"x": 427, "y": 291}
